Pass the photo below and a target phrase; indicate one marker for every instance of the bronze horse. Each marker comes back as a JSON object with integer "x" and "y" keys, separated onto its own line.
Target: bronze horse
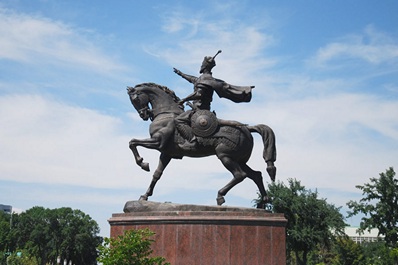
{"x": 233, "y": 145}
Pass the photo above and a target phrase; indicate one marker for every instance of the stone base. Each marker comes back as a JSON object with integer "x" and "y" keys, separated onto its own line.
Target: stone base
{"x": 196, "y": 235}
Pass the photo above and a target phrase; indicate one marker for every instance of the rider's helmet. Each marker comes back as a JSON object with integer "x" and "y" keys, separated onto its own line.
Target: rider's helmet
{"x": 208, "y": 63}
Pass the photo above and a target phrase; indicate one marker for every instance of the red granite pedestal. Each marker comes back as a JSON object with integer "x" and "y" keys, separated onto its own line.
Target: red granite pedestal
{"x": 209, "y": 235}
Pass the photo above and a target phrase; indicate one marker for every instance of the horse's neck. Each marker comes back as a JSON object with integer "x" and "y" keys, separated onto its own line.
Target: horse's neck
{"x": 164, "y": 104}
{"x": 165, "y": 116}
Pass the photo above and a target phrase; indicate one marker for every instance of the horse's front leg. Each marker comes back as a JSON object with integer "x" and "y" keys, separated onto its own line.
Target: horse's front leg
{"x": 163, "y": 162}
{"x": 152, "y": 143}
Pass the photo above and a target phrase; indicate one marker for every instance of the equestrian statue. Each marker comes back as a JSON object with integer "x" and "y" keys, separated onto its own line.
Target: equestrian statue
{"x": 198, "y": 132}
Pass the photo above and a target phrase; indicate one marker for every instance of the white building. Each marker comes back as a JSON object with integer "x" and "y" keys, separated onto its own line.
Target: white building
{"x": 6, "y": 208}
{"x": 366, "y": 236}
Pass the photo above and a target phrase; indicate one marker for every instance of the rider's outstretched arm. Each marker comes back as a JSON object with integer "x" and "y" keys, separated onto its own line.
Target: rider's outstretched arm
{"x": 189, "y": 78}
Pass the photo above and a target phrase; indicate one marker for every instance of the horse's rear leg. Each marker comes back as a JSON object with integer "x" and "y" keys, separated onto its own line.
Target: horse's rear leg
{"x": 163, "y": 162}
{"x": 238, "y": 176}
{"x": 257, "y": 177}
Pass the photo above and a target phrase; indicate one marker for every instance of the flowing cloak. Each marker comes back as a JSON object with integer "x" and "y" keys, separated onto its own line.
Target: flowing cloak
{"x": 224, "y": 90}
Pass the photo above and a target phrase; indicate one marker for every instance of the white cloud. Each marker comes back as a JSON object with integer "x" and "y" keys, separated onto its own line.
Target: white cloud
{"x": 194, "y": 37}
{"x": 372, "y": 46}
{"x": 46, "y": 141}
{"x": 176, "y": 22}
{"x": 37, "y": 40}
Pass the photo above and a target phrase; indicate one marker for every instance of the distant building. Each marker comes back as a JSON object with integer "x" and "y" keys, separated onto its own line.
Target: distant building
{"x": 6, "y": 208}
{"x": 366, "y": 236}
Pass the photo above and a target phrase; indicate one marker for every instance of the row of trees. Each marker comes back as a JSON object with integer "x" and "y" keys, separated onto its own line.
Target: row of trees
{"x": 315, "y": 229}
{"x": 41, "y": 235}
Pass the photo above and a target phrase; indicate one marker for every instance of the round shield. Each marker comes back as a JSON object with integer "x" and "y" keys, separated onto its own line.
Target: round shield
{"x": 204, "y": 123}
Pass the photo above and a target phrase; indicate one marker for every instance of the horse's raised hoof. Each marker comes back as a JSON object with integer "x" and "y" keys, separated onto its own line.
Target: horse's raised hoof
{"x": 143, "y": 198}
{"x": 145, "y": 166}
{"x": 271, "y": 172}
{"x": 220, "y": 200}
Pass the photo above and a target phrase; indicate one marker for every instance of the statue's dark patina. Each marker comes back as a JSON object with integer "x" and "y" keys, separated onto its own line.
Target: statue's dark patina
{"x": 198, "y": 132}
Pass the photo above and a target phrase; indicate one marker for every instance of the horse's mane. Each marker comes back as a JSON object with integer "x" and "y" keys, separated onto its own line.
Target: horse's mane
{"x": 164, "y": 88}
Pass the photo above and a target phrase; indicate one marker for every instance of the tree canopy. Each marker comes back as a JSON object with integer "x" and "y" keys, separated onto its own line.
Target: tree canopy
{"x": 379, "y": 205}
{"x": 312, "y": 222}
{"x": 45, "y": 234}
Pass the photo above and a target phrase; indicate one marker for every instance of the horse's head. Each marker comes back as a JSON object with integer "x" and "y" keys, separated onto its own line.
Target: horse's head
{"x": 151, "y": 99}
{"x": 140, "y": 102}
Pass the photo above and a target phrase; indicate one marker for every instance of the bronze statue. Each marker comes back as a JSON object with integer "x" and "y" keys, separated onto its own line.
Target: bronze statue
{"x": 230, "y": 141}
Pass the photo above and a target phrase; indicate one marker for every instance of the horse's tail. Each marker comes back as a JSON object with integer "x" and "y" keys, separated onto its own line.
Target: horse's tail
{"x": 269, "y": 152}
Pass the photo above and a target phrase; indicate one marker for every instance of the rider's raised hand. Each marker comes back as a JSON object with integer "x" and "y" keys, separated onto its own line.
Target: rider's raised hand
{"x": 178, "y": 72}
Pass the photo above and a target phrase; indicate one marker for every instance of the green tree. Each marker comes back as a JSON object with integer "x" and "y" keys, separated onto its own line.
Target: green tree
{"x": 377, "y": 253}
{"x": 131, "y": 248}
{"x": 380, "y": 206}
{"x": 312, "y": 222}
{"x": 47, "y": 234}
{"x": 33, "y": 234}
{"x": 4, "y": 236}
{"x": 348, "y": 252}
{"x": 79, "y": 238}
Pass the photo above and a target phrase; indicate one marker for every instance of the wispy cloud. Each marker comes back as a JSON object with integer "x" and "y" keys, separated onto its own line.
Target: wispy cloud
{"x": 372, "y": 46}
{"x": 37, "y": 40}
{"x": 46, "y": 141}
{"x": 198, "y": 34}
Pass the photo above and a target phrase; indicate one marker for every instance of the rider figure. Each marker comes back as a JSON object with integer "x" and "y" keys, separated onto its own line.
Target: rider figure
{"x": 202, "y": 96}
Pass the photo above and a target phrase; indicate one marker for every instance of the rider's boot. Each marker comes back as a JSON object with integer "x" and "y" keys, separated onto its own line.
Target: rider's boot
{"x": 187, "y": 133}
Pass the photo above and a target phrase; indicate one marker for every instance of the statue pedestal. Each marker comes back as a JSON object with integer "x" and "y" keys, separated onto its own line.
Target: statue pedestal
{"x": 196, "y": 235}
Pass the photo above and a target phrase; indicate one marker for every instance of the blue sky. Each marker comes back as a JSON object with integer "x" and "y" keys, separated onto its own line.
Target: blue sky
{"x": 326, "y": 77}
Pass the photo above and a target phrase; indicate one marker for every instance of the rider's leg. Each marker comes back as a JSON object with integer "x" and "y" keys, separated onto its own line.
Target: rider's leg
{"x": 182, "y": 123}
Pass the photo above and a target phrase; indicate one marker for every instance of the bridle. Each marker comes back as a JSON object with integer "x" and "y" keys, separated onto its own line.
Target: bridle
{"x": 144, "y": 111}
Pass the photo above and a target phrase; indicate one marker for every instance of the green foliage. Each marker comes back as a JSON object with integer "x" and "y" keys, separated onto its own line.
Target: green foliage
{"x": 4, "y": 236}
{"x": 20, "y": 258}
{"x": 378, "y": 253}
{"x": 380, "y": 206}
{"x": 44, "y": 234}
{"x": 348, "y": 252}
{"x": 131, "y": 248}
{"x": 312, "y": 222}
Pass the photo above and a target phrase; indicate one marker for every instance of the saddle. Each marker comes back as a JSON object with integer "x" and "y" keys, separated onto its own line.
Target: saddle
{"x": 210, "y": 130}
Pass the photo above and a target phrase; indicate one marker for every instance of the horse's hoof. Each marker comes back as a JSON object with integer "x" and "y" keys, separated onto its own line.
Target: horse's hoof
{"x": 220, "y": 200}
{"x": 272, "y": 172}
{"x": 260, "y": 205}
{"x": 263, "y": 202}
{"x": 143, "y": 198}
{"x": 145, "y": 166}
